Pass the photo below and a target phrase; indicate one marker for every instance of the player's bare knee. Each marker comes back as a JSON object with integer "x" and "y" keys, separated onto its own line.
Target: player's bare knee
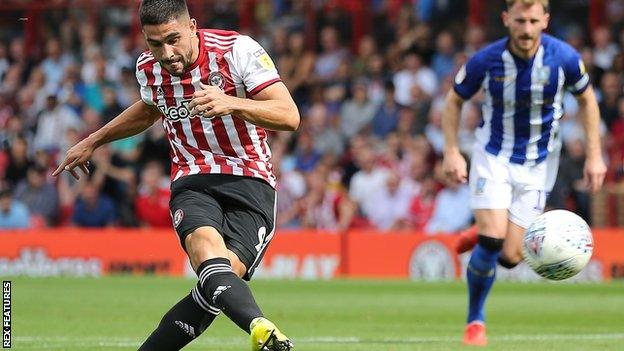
{"x": 203, "y": 244}
{"x": 492, "y": 229}
{"x": 237, "y": 265}
{"x": 509, "y": 262}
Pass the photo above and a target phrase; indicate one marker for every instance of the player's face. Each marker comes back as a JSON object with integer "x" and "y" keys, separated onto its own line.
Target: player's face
{"x": 173, "y": 43}
{"x": 525, "y": 24}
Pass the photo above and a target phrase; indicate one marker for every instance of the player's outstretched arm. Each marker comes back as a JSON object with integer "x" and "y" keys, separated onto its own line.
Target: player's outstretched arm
{"x": 453, "y": 163}
{"x": 595, "y": 168}
{"x": 135, "y": 119}
{"x": 272, "y": 108}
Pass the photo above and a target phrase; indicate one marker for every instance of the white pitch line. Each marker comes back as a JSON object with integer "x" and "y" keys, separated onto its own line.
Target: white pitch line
{"x": 86, "y": 342}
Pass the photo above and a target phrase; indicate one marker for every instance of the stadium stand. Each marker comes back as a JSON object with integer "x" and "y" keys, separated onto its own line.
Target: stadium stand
{"x": 369, "y": 78}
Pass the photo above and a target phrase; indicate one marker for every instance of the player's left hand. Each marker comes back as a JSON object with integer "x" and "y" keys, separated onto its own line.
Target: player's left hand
{"x": 211, "y": 102}
{"x": 594, "y": 173}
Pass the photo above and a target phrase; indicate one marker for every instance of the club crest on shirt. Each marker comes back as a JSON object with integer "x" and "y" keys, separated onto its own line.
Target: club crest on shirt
{"x": 543, "y": 75}
{"x": 177, "y": 217}
{"x": 216, "y": 79}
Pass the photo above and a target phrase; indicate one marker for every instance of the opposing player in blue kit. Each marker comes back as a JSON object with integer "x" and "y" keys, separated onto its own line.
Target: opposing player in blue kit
{"x": 514, "y": 164}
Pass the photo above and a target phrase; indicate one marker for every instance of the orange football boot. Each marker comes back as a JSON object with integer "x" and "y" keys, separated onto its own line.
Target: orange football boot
{"x": 475, "y": 334}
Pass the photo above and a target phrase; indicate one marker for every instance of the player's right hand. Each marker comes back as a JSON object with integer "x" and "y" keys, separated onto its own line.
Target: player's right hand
{"x": 77, "y": 156}
{"x": 454, "y": 166}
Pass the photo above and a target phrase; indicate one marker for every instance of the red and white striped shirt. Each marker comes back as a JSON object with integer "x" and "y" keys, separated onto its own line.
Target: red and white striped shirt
{"x": 222, "y": 145}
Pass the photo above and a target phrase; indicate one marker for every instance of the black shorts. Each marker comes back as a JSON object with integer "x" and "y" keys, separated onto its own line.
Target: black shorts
{"x": 242, "y": 209}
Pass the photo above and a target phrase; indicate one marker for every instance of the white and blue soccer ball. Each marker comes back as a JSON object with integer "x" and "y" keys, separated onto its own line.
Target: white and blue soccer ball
{"x": 558, "y": 245}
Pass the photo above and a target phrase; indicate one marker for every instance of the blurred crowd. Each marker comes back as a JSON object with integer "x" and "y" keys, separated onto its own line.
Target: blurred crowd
{"x": 367, "y": 154}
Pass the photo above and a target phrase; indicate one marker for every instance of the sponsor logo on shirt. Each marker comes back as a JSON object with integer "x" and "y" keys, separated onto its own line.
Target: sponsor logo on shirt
{"x": 177, "y": 112}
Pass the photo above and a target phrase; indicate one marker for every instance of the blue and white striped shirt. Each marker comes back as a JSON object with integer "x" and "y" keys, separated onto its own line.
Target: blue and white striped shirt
{"x": 523, "y": 98}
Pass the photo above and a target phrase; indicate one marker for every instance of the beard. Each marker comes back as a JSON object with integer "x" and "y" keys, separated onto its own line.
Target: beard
{"x": 178, "y": 65}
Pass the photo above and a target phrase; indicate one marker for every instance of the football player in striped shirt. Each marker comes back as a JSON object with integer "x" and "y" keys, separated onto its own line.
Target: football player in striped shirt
{"x": 516, "y": 156}
{"x": 215, "y": 93}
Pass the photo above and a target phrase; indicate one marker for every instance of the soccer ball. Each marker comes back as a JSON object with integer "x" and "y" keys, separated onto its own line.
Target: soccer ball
{"x": 557, "y": 245}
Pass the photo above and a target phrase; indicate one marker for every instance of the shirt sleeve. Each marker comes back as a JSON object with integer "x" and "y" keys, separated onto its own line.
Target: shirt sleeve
{"x": 576, "y": 77}
{"x": 253, "y": 66}
{"x": 145, "y": 89}
{"x": 470, "y": 76}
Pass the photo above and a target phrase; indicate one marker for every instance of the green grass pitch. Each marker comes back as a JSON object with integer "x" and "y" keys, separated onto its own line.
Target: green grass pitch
{"x": 118, "y": 313}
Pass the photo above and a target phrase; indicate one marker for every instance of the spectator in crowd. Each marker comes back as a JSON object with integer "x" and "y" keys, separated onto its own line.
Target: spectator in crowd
{"x": 392, "y": 202}
{"x": 55, "y": 64}
{"x": 152, "y": 201}
{"x": 332, "y": 55}
{"x": 357, "y": 112}
{"x": 112, "y": 176}
{"x": 604, "y": 48}
{"x": 443, "y": 61}
{"x": 433, "y": 130}
{"x": 69, "y": 82}
{"x": 306, "y": 155}
{"x": 154, "y": 147}
{"x": 367, "y": 48}
{"x": 616, "y": 142}
{"x": 414, "y": 76}
{"x": 292, "y": 188}
{"x": 6, "y": 110}
{"x": 610, "y": 93}
{"x": 39, "y": 195}
{"x": 296, "y": 67}
{"x": 450, "y": 213}
{"x": 93, "y": 209}
{"x": 386, "y": 118}
{"x": 52, "y": 123}
{"x": 4, "y": 60}
{"x": 475, "y": 39}
{"x": 325, "y": 206}
{"x": 13, "y": 213}
{"x": 18, "y": 161}
{"x": 366, "y": 182}
{"x": 421, "y": 205}
{"x": 327, "y": 140}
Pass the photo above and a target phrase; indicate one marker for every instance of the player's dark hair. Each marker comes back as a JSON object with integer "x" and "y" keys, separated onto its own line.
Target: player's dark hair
{"x": 154, "y": 12}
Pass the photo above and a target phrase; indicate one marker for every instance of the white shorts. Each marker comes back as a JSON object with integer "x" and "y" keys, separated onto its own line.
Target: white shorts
{"x": 496, "y": 184}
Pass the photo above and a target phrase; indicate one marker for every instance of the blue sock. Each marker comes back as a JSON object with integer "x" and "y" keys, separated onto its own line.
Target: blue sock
{"x": 481, "y": 274}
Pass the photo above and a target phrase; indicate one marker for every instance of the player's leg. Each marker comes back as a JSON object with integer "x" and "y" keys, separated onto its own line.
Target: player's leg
{"x": 511, "y": 254}
{"x": 481, "y": 270}
{"x": 218, "y": 282}
{"x": 491, "y": 195}
{"x": 248, "y": 227}
{"x": 532, "y": 185}
{"x": 184, "y": 322}
{"x": 193, "y": 314}
{"x": 492, "y": 224}
{"x": 527, "y": 204}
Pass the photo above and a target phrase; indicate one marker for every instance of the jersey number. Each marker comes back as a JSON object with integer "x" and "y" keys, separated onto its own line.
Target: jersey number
{"x": 261, "y": 238}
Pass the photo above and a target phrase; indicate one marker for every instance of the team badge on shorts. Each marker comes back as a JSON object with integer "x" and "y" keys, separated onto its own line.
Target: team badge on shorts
{"x": 480, "y": 186}
{"x": 177, "y": 217}
{"x": 216, "y": 80}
